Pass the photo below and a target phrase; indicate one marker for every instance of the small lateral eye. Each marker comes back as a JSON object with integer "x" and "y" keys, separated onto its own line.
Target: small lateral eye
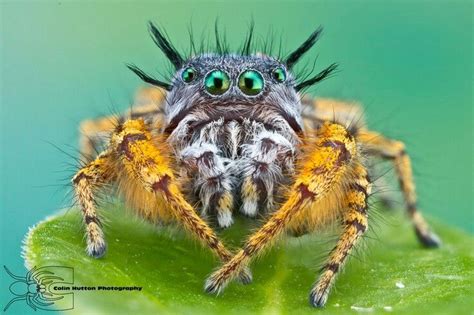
{"x": 251, "y": 82}
{"x": 279, "y": 75}
{"x": 217, "y": 82}
{"x": 188, "y": 74}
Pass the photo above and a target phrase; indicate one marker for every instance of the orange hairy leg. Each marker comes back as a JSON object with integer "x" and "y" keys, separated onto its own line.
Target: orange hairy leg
{"x": 93, "y": 132}
{"x": 87, "y": 180}
{"x": 324, "y": 165}
{"x": 377, "y": 144}
{"x": 146, "y": 160}
{"x": 355, "y": 223}
{"x": 350, "y": 114}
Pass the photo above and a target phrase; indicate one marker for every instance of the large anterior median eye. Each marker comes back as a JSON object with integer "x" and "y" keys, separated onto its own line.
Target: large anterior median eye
{"x": 251, "y": 82}
{"x": 217, "y": 82}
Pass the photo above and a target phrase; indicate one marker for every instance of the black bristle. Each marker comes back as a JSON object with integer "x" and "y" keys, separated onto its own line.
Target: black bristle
{"x": 219, "y": 48}
{"x": 166, "y": 47}
{"x": 268, "y": 42}
{"x": 248, "y": 41}
{"x": 145, "y": 77}
{"x": 317, "y": 78}
{"x": 280, "y": 47}
{"x": 192, "y": 44}
{"x": 225, "y": 44}
{"x": 293, "y": 58}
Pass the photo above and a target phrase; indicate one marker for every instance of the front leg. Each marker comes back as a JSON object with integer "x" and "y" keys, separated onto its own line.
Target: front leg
{"x": 90, "y": 178}
{"x": 147, "y": 160}
{"x": 328, "y": 158}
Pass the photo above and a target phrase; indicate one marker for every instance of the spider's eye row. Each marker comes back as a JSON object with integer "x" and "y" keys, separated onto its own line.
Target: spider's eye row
{"x": 188, "y": 74}
{"x": 279, "y": 75}
{"x": 251, "y": 82}
{"x": 217, "y": 82}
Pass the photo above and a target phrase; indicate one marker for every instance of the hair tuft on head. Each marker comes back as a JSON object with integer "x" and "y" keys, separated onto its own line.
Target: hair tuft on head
{"x": 166, "y": 47}
{"x": 295, "y": 56}
{"x": 148, "y": 79}
{"x": 246, "y": 48}
{"x": 317, "y": 78}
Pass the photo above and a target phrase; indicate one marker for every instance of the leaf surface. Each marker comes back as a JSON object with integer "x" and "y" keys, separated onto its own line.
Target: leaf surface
{"x": 172, "y": 268}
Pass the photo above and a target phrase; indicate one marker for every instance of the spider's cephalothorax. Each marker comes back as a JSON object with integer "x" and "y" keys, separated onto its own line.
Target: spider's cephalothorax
{"x": 230, "y": 135}
{"x": 234, "y": 127}
{"x": 234, "y": 122}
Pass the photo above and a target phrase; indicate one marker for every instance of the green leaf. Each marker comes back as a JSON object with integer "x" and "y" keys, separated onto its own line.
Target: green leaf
{"x": 172, "y": 268}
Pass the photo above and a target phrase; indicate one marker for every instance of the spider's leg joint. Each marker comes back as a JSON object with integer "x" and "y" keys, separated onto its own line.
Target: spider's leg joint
{"x": 162, "y": 185}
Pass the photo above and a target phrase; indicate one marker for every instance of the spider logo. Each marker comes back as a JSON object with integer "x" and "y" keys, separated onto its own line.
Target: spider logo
{"x": 36, "y": 288}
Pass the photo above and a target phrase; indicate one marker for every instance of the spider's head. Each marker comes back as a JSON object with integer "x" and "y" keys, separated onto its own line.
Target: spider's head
{"x": 233, "y": 86}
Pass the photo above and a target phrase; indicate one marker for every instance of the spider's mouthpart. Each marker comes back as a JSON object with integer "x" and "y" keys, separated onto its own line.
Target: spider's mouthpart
{"x": 166, "y": 47}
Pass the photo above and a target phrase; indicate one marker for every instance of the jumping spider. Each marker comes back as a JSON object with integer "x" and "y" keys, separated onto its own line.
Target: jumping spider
{"x": 230, "y": 135}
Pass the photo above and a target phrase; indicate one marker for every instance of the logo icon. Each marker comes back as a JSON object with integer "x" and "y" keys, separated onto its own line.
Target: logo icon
{"x": 40, "y": 288}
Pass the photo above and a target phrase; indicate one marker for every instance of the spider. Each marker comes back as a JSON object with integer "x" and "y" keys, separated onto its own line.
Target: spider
{"x": 230, "y": 136}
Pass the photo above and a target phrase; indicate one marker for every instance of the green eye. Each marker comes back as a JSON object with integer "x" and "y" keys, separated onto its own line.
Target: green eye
{"x": 279, "y": 75}
{"x": 217, "y": 82}
{"x": 251, "y": 82}
{"x": 188, "y": 74}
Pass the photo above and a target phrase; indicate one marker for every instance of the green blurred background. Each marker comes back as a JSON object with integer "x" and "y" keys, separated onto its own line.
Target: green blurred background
{"x": 408, "y": 62}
